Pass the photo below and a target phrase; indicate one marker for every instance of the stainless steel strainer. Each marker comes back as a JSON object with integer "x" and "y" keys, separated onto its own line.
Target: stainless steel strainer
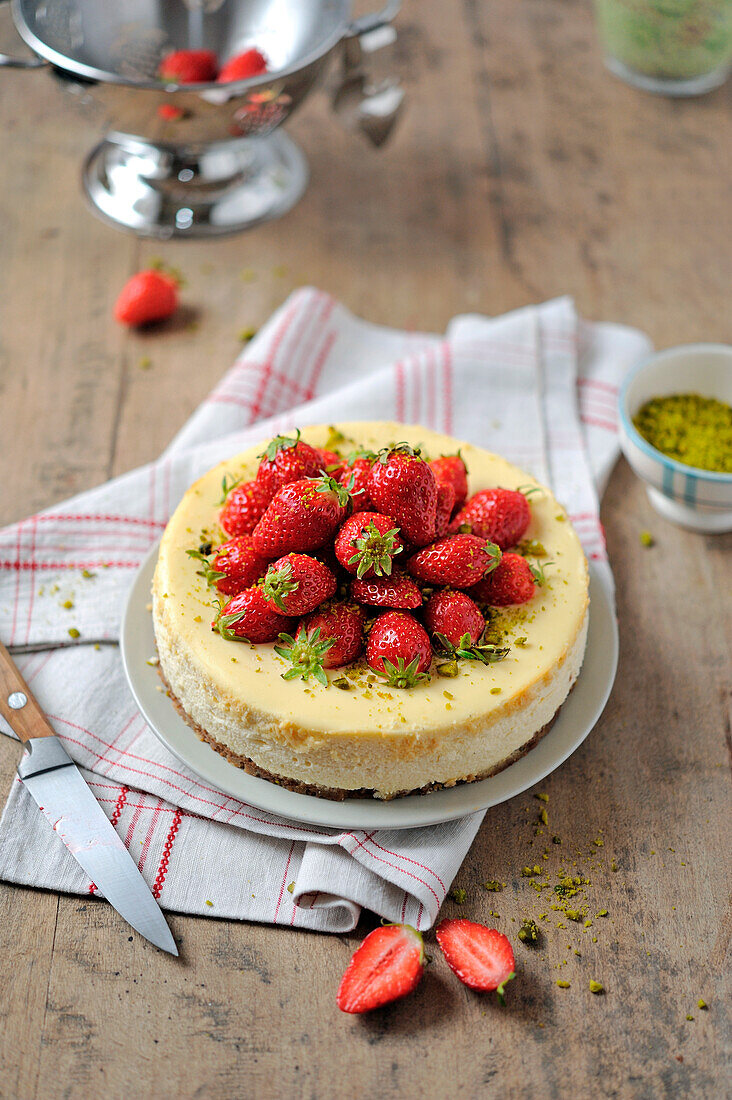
{"x": 212, "y": 160}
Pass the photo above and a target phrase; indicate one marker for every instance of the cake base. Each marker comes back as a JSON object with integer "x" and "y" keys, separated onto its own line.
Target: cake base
{"x": 340, "y": 794}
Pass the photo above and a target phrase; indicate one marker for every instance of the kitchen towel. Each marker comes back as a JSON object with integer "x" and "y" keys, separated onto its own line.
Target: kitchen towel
{"x": 537, "y": 385}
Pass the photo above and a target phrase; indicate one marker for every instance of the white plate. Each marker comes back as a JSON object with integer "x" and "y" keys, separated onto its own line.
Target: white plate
{"x": 576, "y": 718}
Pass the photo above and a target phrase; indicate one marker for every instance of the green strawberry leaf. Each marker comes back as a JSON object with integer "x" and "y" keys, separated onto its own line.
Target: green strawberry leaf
{"x": 228, "y": 482}
{"x": 402, "y": 676}
{"x": 280, "y": 443}
{"x": 502, "y": 988}
{"x": 375, "y": 551}
{"x": 305, "y": 653}
{"x": 278, "y": 583}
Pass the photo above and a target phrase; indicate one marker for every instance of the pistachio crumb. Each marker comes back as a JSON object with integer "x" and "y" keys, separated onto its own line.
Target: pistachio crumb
{"x": 563, "y": 985}
{"x": 647, "y": 539}
{"x": 290, "y": 887}
{"x": 701, "y": 1004}
{"x": 74, "y": 633}
{"x": 458, "y": 894}
{"x": 209, "y": 903}
{"x": 596, "y": 987}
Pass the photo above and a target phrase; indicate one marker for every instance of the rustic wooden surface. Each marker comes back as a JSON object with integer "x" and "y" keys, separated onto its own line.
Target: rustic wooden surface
{"x": 522, "y": 170}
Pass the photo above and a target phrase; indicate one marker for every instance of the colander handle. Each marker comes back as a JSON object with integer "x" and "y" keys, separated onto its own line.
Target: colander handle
{"x": 372, "y": 22}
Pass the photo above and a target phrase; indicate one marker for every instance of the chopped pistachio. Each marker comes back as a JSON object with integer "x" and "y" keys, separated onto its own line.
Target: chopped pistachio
{"x": 290, "y": 887}
{"x": 74, "y": 633}
{"x": 563, "y": 984}
{"x": 647, "y": 539}
{"x": 596, "y": 987}
{"x": 701, "y": 1004}
{"x": 493, "y": 885}
{"x": 209, "y": 903}
{"x": 529, "y": 931}
{"x": 458, "y": 894}
{"x": 68, "y": 604}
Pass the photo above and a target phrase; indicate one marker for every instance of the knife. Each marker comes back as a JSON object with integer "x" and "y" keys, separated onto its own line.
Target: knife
{"x": 57, "y": 785}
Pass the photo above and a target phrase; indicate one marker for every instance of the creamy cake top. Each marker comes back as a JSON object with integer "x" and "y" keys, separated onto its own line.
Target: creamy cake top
{"x": 539, "y": 632}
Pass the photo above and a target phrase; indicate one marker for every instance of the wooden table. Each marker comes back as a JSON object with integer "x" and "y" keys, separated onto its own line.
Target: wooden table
{"x": 521, "y": 171}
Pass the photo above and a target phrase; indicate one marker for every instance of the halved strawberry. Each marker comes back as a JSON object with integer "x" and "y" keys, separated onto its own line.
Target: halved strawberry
{"x": 481, "y": 957}
{"x": 458, "y": 560}
{"x": 342, "y": 623}
{"x": 244, "y": 506}
{"x": 402, "y": 485}
{"x": 302, "y": 516}
{"x": 500, "y": 515}
{"x": 513, "y": 581}
{"x": 367, "y": 544}
{"x": 451, "y": 470}
{"x": 297, "y": 584}
{"x": 388, "y": 965}
{"x": 399, "y": 649}
{"x": 286, "y": 459}
{"x": 397, "y": 591}
{"x": 247, "y": 617}
{"x": 235, "y": 565}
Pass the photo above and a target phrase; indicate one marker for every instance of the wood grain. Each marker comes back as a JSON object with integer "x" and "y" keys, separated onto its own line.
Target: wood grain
{"x": 521, "y": 171}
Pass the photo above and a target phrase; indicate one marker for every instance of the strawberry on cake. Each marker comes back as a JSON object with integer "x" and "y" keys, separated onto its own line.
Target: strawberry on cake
{"x": 369, "y": 609}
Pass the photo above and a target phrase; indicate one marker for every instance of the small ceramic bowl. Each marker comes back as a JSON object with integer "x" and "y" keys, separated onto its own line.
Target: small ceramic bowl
{"x": 698, "y": 499}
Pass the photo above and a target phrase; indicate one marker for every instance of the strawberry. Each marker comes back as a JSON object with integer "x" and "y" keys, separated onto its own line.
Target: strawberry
{"x": 170, "y": 113}
{"x": 394, "y": 591}
{"x": 512, "y": 581}
{"x": 367, "y": 544}
{"x": 236, "y": 565}
{"x": 296, "y": 584}
{"x": 147, "y": 296}
{"x": 402, "y": 485}
{"x": 330, "y": 463}
{"x": 301, "y": 516}
{"x": 451, "y": 470}
{"x": 341, "y": 623}
{"x": 398, "y": 648}
{"x": 286, "y": 459}
{"x": 458, "y": 560}
{"x": 454, "y": 615}
{"x": 501, "y": 515}
{"x": 247, "y": 617}
{"x": 244, "y": 506}
{"x": 388, "y": 965}
{"x": 445, "y": 506}
{"x": 243, "y": 66}
{"x": 481, "y": 957}
{"x": 355, "y": 477}
{"x": 189, "y": 67}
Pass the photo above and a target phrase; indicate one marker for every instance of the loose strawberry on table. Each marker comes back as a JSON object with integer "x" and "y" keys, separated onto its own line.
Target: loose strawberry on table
{"x": 501, "y": 515}
{"x": 402, "y": 485}
{"x": 458, "y": 560}
{"x": 296, "y": 584}
{"x": 244, "y": 506}
{"x": 396, "y": 591}
{"x": 286, "y": 459}
{"x": 399, "y": 649}
{"x": 481, "y": 957}
{"x": 388, "y": 965}
{"x": 367, "y": 544}
{"x": 303, "y": 515}
{"x": 248, "y": 617}
{"x": 451, "y": 470}
{"x": 513, "y": 581}
{"x": 235, "y": 565}
{"x": 146, "y": 297}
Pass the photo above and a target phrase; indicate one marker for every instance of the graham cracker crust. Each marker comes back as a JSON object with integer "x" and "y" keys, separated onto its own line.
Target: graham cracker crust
{"x": 338, "y": 794}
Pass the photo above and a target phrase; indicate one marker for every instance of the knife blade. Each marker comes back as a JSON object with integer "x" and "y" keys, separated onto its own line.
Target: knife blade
{"x": 58, "y": 787}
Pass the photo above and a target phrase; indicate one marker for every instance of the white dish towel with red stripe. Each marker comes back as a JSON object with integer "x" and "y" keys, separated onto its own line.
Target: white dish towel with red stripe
{"x": 537, "y": 385}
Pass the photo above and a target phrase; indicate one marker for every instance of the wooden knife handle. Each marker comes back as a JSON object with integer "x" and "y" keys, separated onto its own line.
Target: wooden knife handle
{"x": 17, "y": 704}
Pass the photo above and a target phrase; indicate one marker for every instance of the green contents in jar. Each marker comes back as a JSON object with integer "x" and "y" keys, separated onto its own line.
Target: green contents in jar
{"x": 667, "y": 39}
{"x": 690, "y": 428}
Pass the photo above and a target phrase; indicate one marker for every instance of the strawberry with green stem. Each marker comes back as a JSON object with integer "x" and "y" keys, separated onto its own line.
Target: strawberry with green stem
{"x": 302, "y": 515}
{"x": 398, "y": 648}
{"x": 402, "y": 485}
{"x": 500, "y": 515}
{"x": 481, "y": 957}
{"x": 306, "y": 652}
{"x": 297, "y": 583}
{"x": 367, "y": 544}
{"x": 339, "y": 621}
{"x": 355, "y": 476}
{"x": 445, "y": 505}
{"x": 286, "y": 459}
{"x": 513, "y": 581}
{"x": 236, "y": 565}
{"x": 247, "y": 617}
{"x": 451, "y": 470}
{"x": 457, "y": 560}
{"x": 396, "y": 591}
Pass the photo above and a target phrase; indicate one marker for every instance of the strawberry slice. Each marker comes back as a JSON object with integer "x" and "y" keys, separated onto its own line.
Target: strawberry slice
{"x": 481, "y": 957}
{"x": 388, "y": 965}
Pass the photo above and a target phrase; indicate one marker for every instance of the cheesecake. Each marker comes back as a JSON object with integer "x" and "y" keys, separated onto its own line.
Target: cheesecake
{"x": 355, "y": 734}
